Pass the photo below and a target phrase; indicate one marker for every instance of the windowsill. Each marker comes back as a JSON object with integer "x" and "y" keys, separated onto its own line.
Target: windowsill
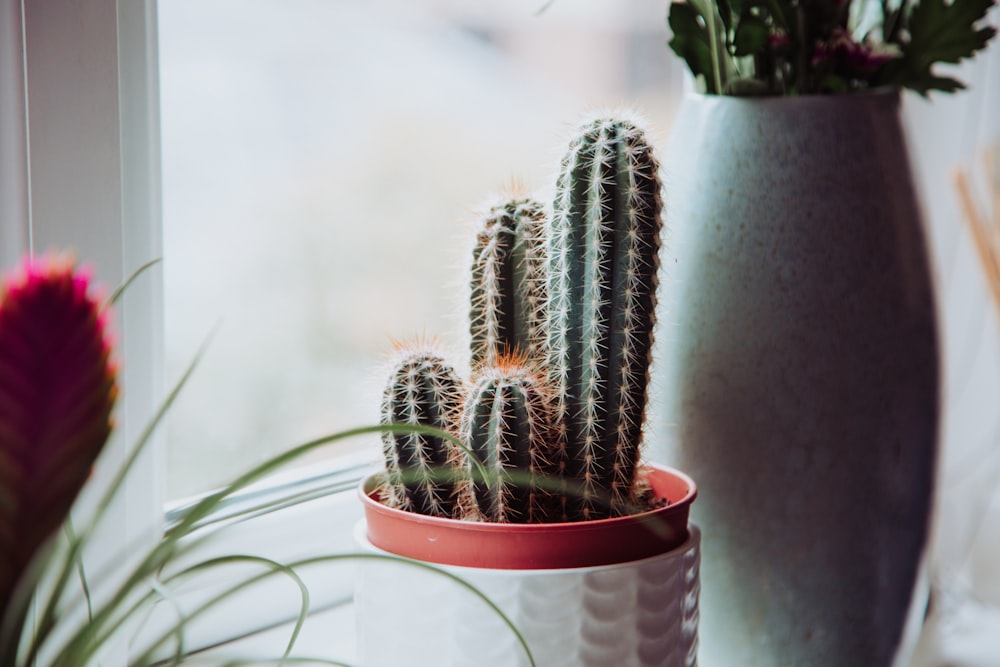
{"x": 284, "y": 489}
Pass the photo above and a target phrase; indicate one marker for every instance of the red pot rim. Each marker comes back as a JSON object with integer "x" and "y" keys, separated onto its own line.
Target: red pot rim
{"x": 535, "y": 546}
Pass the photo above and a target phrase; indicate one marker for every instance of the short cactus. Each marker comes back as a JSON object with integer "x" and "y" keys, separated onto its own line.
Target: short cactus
{"x": 508, "y": 282}
{"x": 508, "y": 425}
{"x": 604, "y": 245}
{"x": 422, "y": 390}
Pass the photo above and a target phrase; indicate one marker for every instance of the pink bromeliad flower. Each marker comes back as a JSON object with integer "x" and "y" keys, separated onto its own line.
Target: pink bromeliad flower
{"x": 57, "y": 390}
{"x": 849, "y": 54}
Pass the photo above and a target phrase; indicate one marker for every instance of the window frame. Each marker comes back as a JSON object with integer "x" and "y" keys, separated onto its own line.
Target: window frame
{"x": 80, "y": 171}
{"x": 81, "y": 174}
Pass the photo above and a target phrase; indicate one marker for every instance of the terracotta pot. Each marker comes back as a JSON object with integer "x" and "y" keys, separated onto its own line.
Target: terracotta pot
{"x": 535, "y": 546}
{"x": 621, "y": 591}
{"x": 801, "y": 372}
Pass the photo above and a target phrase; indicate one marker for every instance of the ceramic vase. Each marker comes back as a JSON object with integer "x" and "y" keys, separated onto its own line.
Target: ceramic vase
{"x": 621, "y": 591}
{"x": 800, "y": 373}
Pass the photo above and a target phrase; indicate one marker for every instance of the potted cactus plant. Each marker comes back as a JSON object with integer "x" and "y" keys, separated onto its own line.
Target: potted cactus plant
{"x": 527, "y": 479}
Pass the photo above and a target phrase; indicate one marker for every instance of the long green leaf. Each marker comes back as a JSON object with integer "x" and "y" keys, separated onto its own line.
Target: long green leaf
{"x": 273, "y": 566}
{"x": 177, "y": 631}
{"x": 715, "y": 33}
{"x": 48, "y": 617}
{"x": 167, "y": 547}
{"x": 81, "y": 571}
{"x": 12, "y": 628}
{"x": 233, "y": 590}
{"x": 120, "y": 290}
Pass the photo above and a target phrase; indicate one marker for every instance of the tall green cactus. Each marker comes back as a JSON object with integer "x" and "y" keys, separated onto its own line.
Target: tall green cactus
{"x": 508, "y": 281}
{"x": 422, "y": 390}
{"x": 603, "y": 253}
{"x": 508, "y": 425}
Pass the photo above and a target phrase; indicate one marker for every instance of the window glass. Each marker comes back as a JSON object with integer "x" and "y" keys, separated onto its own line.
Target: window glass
{"x": 322, "y": 161}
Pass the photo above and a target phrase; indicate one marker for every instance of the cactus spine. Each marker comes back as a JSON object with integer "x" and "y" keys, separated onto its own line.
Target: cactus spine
{"x": 508, "y": 282}
{"x": 507, "y": 423}
{"x": 422, "y": 390}
{"x": 604, "y": 244}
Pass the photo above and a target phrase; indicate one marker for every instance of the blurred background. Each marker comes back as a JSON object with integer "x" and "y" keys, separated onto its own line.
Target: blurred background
{"x": 323, "y": 161}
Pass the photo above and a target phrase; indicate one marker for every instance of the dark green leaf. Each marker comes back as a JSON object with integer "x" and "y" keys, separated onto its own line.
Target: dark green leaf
{"x": 751, "y": 36}
{"x": 717, "y": 37}
{"x": 726, "y": 12}
{"x": 946, "y": 32}
{"x": 690, "y": 40}
{"x": 940, "y": 32}
{"x": 944, "y": 84}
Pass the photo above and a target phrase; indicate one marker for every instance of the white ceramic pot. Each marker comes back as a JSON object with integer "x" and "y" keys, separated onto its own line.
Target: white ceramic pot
{"x": 800, "y": 365}
{"x": 641, "y": 612}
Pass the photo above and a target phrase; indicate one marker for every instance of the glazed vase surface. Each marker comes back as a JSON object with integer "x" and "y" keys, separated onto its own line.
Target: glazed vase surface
{"x": 798, "y": 358}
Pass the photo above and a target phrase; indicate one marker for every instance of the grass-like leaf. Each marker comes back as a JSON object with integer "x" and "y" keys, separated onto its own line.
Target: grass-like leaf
{"x": 272, "y": 567}
{"x": 120, "y": 290}
{"x": 49, "y": 608}
{"x": 57, "y": 388}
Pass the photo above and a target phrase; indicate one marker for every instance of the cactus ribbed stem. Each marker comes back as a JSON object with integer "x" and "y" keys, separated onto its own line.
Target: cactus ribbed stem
{"x": 422, "y": 390}
{"x": 561, "y": 323}
{"x": 604, "y": 245}
{"x": 508, "y": 282}
{"x": 508, "y": 426}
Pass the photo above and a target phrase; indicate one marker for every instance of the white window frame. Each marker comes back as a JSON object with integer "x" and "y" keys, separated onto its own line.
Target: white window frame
{"x": 80, "y": 159}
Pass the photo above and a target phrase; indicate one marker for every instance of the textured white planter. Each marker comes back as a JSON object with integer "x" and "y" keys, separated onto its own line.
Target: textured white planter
{"x": 800, "y": 364}
{"x": 619, "y": 592}
{"x": 639, "y": 614}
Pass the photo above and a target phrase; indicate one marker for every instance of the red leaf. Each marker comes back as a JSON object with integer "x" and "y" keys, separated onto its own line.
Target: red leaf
{"x": 57, "y": 389}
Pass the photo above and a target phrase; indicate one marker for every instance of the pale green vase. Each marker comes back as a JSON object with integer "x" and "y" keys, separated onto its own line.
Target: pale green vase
{"x": 800, "y": 371}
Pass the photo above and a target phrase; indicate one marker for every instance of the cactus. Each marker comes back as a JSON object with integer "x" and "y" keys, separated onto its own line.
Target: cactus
{"x": 423, "y": 390}
{"x": 507, "y": 423}
{"x": 508, "y": 282}
{"x": 603, "y": 253}
{"x": 576, "y": 295}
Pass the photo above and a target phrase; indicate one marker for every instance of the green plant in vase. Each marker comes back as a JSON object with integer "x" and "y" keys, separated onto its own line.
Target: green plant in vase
{"x": 793, "y": 47}
{"x": 801, "y": 376}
